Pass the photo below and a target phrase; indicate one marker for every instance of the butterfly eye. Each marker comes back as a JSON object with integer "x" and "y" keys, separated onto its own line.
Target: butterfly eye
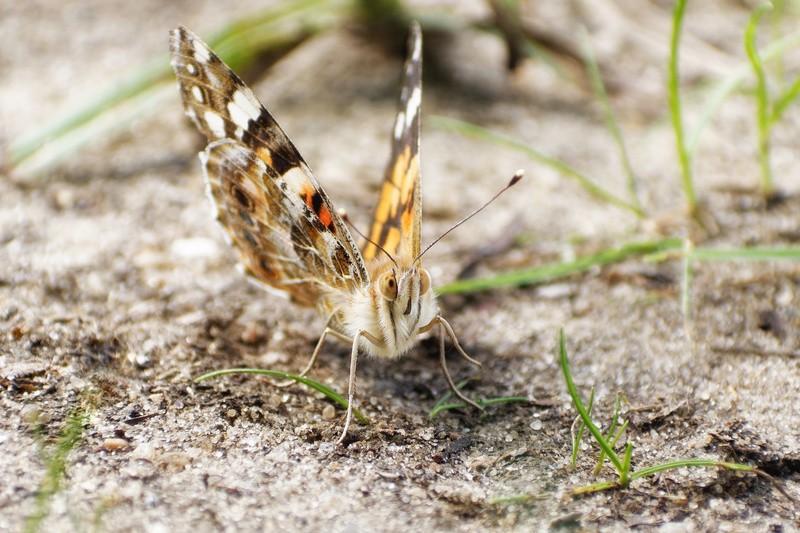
{"x": 424, "y": 281}
{"x": 388, "y": 286}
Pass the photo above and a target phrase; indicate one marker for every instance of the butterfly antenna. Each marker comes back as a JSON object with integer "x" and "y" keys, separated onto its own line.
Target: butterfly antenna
{"x": 517, "y": 176}
{"x": 346, "y": 218}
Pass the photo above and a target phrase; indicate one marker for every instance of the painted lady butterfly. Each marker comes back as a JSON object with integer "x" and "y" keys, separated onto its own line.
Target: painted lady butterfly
{"x": 287, "y": 233}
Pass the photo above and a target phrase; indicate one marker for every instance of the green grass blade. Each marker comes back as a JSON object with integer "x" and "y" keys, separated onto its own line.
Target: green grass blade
{"x": 703, "y": 463}
{"x": 554, "y": 271}
{"x": 516, "y": 498}
{"x": 653, "y": 250}
{"x": 601, "y": 95}
{"x": 744, "y": 254}
{"x": 237, "y": 44}
{"x": 477, "y": 132}
{"x": 762, "y": 97}
{"x": 784, "y": 101}
{"x": 576, "y": 401}
{"x": 316, "y": 385}
{"x": 55, "y": 460}
{"x": 153, "y": 72}
{"x": 106, "y": 124}
{"x": 595, "y": 487}
{"x": 673, "y": 90}
{"x": 483, "y": 402}
{"x": 611, "y": 437}
{"x": 732, "y": 82}
{"x": 576, "y": 442}
{"x": 624, "y": 474}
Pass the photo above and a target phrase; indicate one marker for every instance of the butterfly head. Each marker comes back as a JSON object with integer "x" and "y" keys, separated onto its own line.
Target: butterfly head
{"x": 404, "y": 286}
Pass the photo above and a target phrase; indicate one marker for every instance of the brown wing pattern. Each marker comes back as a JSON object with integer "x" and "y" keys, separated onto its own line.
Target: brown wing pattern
{"x": 279, "y": 238}
{"x": 284, "y": 228}
{"x": 396, "y": 221}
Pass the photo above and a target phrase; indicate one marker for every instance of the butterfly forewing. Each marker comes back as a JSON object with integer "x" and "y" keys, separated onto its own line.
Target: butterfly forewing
{"x": 396, "y": 222}
{"x": 285, "y": 230}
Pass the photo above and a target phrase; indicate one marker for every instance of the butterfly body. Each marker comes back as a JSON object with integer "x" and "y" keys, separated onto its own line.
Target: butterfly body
{"x": 393, "y": 309}
{"x": 284, "y": 229}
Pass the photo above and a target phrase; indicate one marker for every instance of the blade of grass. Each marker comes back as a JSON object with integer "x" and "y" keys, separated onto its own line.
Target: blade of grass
{"x": 316, "y": 385}
{"x": 784, "y": 101}
{"x": 650, "y": 250}
{"x": 611, "y": 437}
{"x": 477, "y": 132}
{"x": 576, "y": 442}
{"x": 623, "y": 466}
{"x": 744, "y": 254}
{"x": 728, "y": 85}
{"x": 704, "y": 463}
{"x": 443, "y": 405}
{"x": 684, "y": 157}
{"x": 237, "y": 44}
{"x": 560, "y": 270}
{"x": 106, "y": 124}
{"x": 762, "y": 97}
{"x": 516, "y": 498}
{"x": 55, "y": 460}
{"x": 483, "y": 402}
{"x": 600, "y": 94}
{"x": 584, "y": 414}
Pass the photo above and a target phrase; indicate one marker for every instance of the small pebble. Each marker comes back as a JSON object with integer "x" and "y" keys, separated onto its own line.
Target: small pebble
{"x": 113, "y": 444}
{"x": 252, "y": 334}
{"x": 329, "y": 412}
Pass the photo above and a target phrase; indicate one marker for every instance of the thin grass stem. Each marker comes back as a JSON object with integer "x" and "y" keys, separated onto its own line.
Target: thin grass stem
{"x": 576, "y": 400}
{"x": 554, "y": 271}
{"x": 600, "y": 93}
{"x": 731, "y": 83}
{"x": 684, "y": 157}
{"x": 316, "y": 385}
{"x": 762, "y": 98}
{"x": 477, "y": 132}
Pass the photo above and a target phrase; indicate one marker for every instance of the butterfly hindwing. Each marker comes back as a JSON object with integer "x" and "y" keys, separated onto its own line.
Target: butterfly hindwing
{"x": 396, "y": 221}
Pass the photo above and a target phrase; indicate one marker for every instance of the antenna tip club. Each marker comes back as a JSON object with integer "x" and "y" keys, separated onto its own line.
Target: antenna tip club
{"x": 517, "y": 176}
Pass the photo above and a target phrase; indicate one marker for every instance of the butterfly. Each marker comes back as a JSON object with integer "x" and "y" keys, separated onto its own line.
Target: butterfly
{"x": 285, "y": 230}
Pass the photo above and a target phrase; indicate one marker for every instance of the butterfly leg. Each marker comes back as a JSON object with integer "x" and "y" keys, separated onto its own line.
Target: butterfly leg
{"x": 351, "y": 387}
{"x": 444, "y": 328}
{"x": 312, "y": 361}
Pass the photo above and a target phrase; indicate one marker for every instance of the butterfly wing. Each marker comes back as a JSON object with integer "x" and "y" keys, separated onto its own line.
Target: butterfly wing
{"x": 396, "y": 221}
{"x": 282, "y": 224}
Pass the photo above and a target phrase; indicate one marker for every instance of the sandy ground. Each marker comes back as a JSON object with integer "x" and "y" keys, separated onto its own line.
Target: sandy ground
{"x": 116, "y": 289}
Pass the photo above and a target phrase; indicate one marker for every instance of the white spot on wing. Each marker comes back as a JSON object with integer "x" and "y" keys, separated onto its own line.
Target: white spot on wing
{"x": 200, "y": 51}
{"x": 417, "y": 49}
{"x": 198, "y": 94}
{"x": 399, "y": 125}
{"x": 215, "y": 123}
{"x": 191, "y": 69}
{"x": 246, "y": 103}
{"x": 413, "y": 105}
{"x": 238, "y": 115}
{"x": 296, "y": 179}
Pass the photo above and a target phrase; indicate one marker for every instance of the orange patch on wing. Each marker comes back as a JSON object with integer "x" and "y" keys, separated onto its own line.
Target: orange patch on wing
{"x": 407, "y": 221}
{"x": 325, "y": 216}
{"x": 400, "y": 167}
{"x": 387, "y": 207}
{"x": 265, "y": 155}
{"x": 392, "y": 239}
{"x": 409, "y": 180}
{"x": 307, "y": 193}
